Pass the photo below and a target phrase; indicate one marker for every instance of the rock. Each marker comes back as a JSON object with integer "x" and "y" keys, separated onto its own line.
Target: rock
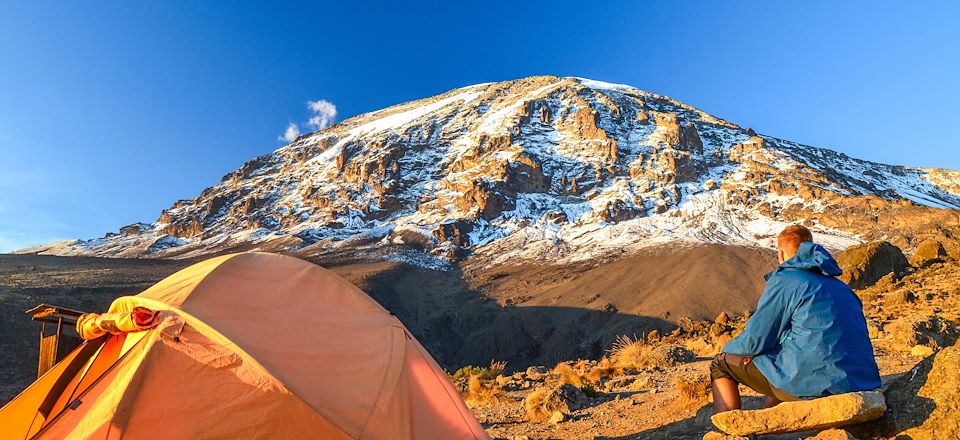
{"x": 743, "y": 152}
{"x": 722, "y": 318}
{"x": 832, "y": 434}
{"x": 924, "y": 402}
{"x": 136, "y": 228}
{"x": 863, "y": 265}
{"x": 717, "y": 329}
{"x": 653, "y": 336}
{"x": 928, "y": 252}
{"x": 536, "y": 370}
{"x": 690, "y": 138}
{"x": 454, "y": 231}
{"x": 668, "y": 355}
{"x": 910, "y": 331}
{"x": 804, "y": 415}
{"x": 714, "y": 435}
{"x": 618, "y": 211}
{"x": 921, "y": 350}
{"x": 901, "y": 296}
{"x": 558, "y": 417}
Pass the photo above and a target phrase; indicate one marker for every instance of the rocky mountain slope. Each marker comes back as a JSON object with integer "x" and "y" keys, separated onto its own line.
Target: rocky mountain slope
{"x": 541, "y": 168}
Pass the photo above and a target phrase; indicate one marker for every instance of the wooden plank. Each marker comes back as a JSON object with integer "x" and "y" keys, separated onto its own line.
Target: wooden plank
{"x": 48, "y": 353}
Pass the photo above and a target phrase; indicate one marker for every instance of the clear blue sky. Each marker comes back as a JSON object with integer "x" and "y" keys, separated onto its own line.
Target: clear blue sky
{"x": 111, "y": 111}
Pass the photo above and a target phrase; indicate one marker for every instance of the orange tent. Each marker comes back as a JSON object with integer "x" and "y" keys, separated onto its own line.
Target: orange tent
{"x": 250, "y": 345}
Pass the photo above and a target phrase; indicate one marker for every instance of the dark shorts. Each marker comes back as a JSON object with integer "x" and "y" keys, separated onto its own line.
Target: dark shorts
{"x": 733, "y": 367}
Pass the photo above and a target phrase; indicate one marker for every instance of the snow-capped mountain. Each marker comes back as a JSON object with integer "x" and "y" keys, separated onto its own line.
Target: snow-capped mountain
{"x": 541, "y": 167}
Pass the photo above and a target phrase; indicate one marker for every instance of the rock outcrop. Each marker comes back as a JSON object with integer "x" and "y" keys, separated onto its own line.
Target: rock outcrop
{"x": 928, "y": 252}
{"x": 865, "y": 264}
{"x": 805, "y": 415}
{"x": 924, "y": 403}
{"x": 911, "y": 331}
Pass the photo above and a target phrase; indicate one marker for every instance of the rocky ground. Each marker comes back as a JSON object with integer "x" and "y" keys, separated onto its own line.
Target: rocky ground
{"x": 911, "y": 308}
{"x": 80, "y": 283}
{"x": 652, "y": 384}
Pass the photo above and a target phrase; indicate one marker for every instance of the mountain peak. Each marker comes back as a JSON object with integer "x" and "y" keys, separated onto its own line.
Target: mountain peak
{"x": 540, "y": 167}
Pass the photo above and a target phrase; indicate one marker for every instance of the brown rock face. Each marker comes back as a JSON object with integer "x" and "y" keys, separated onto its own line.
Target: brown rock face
{"x": 690, "y": 139}
{"x": 484, "y": 197}
{"x": 454, "y": 232}
{"x": 924, "y": 402}
{"x": 189, "y": 228}
{"x": 741, "y": 152}
{"x": 131, "y": 229}
{"x": 525, "y": 175}
{"x": 928, "y": 252}
{"x": 804, "y": 415}
{"x": 865, "y": 264}
{"x": 618, "y": 211}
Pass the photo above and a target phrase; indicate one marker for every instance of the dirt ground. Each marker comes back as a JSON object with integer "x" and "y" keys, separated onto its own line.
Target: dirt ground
{"x": 648, "y": 405}
{"x": 527, "y": 316}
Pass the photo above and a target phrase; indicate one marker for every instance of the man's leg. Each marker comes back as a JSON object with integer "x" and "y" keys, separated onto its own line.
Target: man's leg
{"x": 726, "y": 390}
{"x": 726, "y": 394}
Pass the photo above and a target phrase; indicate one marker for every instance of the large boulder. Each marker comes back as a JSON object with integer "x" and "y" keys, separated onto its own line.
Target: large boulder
{"x": 928, "y": 252}
{"x": 804, "y": 415}
{"x": 924, "y": 402}
{"x": 910, "y": 331}
{"x": 864, "y": 264}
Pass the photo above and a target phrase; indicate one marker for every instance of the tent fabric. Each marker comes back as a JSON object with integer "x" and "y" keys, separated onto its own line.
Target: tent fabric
{"x": 259, "y": 345}
{"x": 124, "y": 316}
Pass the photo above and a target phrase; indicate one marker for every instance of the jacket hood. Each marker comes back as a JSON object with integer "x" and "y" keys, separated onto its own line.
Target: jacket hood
{"x": 813, "y": 257}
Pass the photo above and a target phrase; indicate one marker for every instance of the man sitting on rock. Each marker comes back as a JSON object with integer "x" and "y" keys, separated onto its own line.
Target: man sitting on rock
{"x": 808, "y": 337}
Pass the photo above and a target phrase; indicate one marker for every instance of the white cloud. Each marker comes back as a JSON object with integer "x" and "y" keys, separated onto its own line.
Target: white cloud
{"x": 323, "y": 113}
{"x": 290, "y": 134}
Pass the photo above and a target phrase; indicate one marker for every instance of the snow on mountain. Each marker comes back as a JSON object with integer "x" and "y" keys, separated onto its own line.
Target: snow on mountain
{"x": 538, "y": 168}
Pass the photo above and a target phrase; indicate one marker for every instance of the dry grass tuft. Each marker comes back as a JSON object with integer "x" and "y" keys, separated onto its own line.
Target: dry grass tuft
{"x": 568, "y": 375}
{"x": 483, "y": 392}
{"x": 629, "y": 352}
{"x": 542, "y": 402}
{"x": 606, "y": 367}
{"x": 482, "y": 386}
{"x": 495, "y": 369}
{"x": 536, "y": 404}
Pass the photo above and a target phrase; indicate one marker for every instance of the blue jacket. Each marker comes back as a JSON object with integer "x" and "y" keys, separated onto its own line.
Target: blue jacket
{"x": 809, "y": 336}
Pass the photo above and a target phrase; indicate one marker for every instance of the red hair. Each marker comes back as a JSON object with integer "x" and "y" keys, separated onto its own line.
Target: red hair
{"x": 791, "y": 237}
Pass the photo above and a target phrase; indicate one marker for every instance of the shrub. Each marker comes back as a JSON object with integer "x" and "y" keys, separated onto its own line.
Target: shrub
{"x": 483, "y": 392}
{"x": 542, "y": 402}
{"x": 567, "y": 375}
{"x": 629, "y": 352}
{"x": 495, "y": 369}
{"x": 606, "y": 367}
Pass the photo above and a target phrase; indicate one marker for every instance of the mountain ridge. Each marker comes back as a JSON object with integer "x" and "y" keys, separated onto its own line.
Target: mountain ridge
{"x": 541, "y": 167}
